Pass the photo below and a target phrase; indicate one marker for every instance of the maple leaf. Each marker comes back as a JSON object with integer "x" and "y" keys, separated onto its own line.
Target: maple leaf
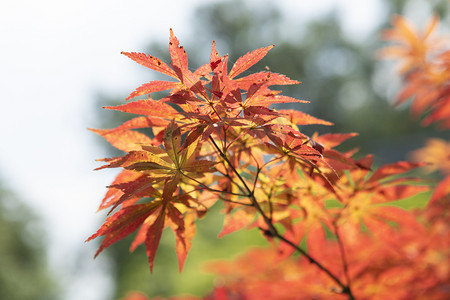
{"x": 238, "y": 220}
{"x": 259, "y": 97}
{"x": 269, "y": 78}
{"x": 331, "y": 140}
{"x": 442, "y": 191}
{"x": 128, "y": 188}
{"x": 366, "y": 200}
{"x": 180, "y": 71}
{"x": 300, "y": 118}
{"x": 179, "y": 58}
{"x": 293, "y": 147}
{"x": 200, "y": 125}
{"x": 413, "y": 45}
{"x": 429, "y": 87}
{"x": 114, "y": 194}
{"x": 157, "y": 114}
{"x": 436, "y": 154}
{"x": 363, "y": 209}
{"x": 184, "y": 228}
{"x": 150, "y": 108}
{"x": 390, "y": 170}
{"x": 184, "y": 160}
{"x": 122, "y": 223}
{"x": 170, "y": 162}
{"x": 125, "y": 140}
{"x": 153, "y": 86}
{"x": 140, "y": 187}
{"x": 310, "y": 226}
{"x": 335, "y": 160}
{"x": 245, "y": 62}
{"x": 425, "y": 65}
{"x": 151, "y": 62}
{"x": 150, "y": 218}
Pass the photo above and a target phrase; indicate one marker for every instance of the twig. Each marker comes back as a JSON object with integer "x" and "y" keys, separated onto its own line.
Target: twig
{"x": 344, "y": 260}
{"x": 274, "y": 232}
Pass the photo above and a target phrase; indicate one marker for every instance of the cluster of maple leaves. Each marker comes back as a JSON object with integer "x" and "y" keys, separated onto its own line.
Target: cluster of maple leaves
{"x": 424, "y": 63}
{"x": 217, "y": 138}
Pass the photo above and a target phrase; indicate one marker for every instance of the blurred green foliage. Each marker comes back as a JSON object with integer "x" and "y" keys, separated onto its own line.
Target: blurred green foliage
{"x": 24, "y": 272}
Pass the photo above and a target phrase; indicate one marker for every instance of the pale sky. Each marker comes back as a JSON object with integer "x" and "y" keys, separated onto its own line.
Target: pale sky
{"x": 55, "y": 57}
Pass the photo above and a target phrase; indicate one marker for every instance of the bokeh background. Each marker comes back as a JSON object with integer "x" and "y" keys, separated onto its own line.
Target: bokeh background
{"x": 60, "y": 63}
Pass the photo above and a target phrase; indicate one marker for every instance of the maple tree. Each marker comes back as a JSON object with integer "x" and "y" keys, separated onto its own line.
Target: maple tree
{"x": 217, "y": 138}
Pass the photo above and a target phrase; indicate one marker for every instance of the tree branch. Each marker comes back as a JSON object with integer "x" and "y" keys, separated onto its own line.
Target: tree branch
{"x": 274, "y": 232}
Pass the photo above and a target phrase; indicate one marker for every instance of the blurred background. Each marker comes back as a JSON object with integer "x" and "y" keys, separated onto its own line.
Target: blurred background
{"x": 60, "y": 63}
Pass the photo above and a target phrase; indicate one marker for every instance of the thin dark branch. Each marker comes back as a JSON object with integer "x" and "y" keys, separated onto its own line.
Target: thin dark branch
{"x": 211, "y": 189}
{"x": 274, "y": 232}
{"x": 227, "y": 175}
{"x": 344, "y": 259}
{"x": 269, "y": 197}
{"x": 272, "y": 160}
{"x": 231, "y": 166}
{"x": 236, "y": 202}
{"x": 256, "y": 180}
{"x": 224, "y": 139}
